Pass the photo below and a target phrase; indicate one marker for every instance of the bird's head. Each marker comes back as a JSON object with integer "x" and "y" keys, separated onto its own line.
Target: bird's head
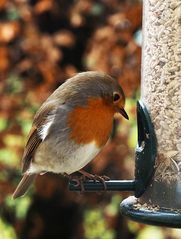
{"x": 95, "y": 85}
{"x": 111, "y": 91}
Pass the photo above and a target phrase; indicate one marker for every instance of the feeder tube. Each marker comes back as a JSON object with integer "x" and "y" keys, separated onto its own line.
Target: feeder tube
{"x": 161, "y": 93}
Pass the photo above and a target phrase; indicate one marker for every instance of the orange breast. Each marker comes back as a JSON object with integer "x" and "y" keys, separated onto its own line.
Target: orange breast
{"x": 92, "y": 122}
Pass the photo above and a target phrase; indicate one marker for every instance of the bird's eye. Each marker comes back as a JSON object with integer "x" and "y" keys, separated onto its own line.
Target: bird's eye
{"x": 116, "y": 97}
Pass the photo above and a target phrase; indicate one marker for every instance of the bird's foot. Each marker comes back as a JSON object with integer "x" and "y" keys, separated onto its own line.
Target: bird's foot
{"x": 94, "y": 177}
{"x": 78, "y": 180}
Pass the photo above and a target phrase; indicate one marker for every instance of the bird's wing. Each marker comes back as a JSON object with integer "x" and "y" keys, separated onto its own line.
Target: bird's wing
{"x": 35, "y": 138}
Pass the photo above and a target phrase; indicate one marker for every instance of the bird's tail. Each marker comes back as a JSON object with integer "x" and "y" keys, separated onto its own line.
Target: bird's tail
{"x": 24, "y": 185}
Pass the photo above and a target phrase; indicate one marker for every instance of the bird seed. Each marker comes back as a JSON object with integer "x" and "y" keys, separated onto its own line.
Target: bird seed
{"x": 161, "y": 81}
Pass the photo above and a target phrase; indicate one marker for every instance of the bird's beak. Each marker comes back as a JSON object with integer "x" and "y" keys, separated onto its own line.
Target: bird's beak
{"x": 123, "y": 113}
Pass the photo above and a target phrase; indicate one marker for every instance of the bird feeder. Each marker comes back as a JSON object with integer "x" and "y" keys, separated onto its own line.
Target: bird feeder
{"x": 161, "y": 93}
{"x": 157, "y": 183}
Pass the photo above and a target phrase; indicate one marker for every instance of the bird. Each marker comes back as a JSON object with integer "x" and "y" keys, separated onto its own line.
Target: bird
{"x": 71, "y": 127}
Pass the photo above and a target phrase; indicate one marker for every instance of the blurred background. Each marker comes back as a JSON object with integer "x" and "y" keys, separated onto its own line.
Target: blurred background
{"x": 42, "y": 43}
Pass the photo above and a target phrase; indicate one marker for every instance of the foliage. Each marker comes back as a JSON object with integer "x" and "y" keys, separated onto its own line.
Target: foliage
{"x": 6, "y": 231}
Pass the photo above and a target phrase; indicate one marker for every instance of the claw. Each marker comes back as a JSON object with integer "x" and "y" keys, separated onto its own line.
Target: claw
{"x": 78, "y": 180}
{"x": 95, "y": 178}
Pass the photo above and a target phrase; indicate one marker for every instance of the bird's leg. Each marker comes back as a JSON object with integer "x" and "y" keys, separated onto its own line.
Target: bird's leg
{"x": 94, "y": 177}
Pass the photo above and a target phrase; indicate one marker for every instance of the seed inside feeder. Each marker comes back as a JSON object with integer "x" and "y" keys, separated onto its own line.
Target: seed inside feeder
{"x": 161, "y": 82}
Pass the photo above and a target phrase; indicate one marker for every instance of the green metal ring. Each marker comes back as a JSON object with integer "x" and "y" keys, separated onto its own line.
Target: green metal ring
{"x": 161, "y": 217}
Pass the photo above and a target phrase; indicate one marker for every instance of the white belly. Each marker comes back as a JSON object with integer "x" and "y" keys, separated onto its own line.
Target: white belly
{"x": 81, "y": 158}
{"x": 64, "y": 158}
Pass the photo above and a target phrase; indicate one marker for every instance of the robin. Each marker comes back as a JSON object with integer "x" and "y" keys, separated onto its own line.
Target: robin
{"x": 71, "y": 127}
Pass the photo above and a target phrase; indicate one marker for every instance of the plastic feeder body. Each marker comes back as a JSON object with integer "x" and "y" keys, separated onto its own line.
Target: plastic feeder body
{"x": 161, "y": 94}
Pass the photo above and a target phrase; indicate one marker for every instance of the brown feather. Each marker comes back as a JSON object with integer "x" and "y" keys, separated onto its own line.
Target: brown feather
{"x": 31, "y": 146}
{"x": 24, "y": 185}
{"x": 34, "y": 138}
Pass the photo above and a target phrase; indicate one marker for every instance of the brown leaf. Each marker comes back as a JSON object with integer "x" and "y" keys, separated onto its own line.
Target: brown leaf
{"x": 64, "y": 38}
{"x": 4, "y": 59}
{"x": 42, "y": 6}
{"x": 8, "y": 31}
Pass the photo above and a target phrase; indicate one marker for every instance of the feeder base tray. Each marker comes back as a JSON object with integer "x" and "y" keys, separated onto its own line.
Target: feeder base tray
{"x": 158, "y": 217}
